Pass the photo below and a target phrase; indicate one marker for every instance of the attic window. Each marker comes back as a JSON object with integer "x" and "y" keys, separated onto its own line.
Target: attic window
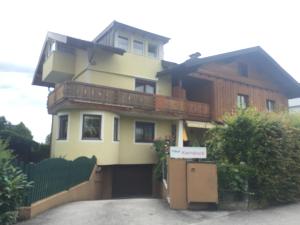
{"x": 123, "y": 42}
{"x": 50, "y": 47}
{"x": 153, "y": 50}
{"x": 243, "y": 69}
{"x": 138, "y": 47}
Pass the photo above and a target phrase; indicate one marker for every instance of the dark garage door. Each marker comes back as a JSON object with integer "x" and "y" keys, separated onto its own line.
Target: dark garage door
{"x": 132, "y": 181}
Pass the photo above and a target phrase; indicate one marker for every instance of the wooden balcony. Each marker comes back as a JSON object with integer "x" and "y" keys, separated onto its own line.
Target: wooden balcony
{"x": 76, "y": 95}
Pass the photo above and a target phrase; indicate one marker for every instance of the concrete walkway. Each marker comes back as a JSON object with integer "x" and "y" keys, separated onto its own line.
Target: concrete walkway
{"x": 156, "y": 212}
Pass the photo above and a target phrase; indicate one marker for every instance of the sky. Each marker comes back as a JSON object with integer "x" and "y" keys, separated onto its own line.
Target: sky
{"x": 209, "y": 27}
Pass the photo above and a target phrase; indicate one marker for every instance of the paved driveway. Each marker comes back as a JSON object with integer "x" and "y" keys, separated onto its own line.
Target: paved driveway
{"x": 156, "y": 212}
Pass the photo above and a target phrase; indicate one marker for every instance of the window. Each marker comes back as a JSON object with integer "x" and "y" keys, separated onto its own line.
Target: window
{"x": 50, "y": 47}
{"x": 138, "y": 47}
{"x": 270, "y": 105}
{"x": 242, "y": 101}
{"x": 116, "y": 128}
{"x": 145, "y": 86}
{"x": 63, "y": 127}
{"x": 123, "y": 42}
{"x": 91, "y": 127}
{"x": 243, "y": 69}
{"x": 153, "y": 50}
{"x": 144, "y": 132}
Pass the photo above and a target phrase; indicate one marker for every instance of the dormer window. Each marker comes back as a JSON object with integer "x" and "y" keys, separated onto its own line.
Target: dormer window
{"x": 138, "y": 47}
{"x": 153, "y": 50}
{"x": 122, "y": 42}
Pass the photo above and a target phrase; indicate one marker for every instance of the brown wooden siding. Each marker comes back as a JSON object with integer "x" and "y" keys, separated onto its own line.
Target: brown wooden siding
{"x": 226, "y": 89}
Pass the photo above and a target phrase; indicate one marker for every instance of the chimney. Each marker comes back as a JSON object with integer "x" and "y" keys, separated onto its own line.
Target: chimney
{"x": 195, "y": 55}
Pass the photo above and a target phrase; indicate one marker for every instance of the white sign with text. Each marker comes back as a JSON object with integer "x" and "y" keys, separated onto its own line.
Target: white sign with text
{"x": 188, "y": 152}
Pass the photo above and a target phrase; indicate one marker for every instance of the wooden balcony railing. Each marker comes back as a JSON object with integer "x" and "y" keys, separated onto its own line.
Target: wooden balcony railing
{"x": 77, "y": 92}
{"x": 181, "y": 106}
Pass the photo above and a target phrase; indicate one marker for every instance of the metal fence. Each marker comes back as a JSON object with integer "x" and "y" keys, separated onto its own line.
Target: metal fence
{"x": 54, "y": 175}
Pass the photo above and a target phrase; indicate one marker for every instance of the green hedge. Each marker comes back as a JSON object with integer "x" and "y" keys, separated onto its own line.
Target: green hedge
{"x": 258, "y": 154}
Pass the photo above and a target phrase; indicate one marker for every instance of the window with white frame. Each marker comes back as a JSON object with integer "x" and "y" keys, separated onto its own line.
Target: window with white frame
{"x": 116, "y": 129}
{"x": 242, "y": 101}
{"x": 152, "y": 50}
{"x": 138, "y": 47}
{"x": 270, "y": 104}
{"x": 144, "y": 132}
{"x": 63, "y": 127}
{"x": 122, "y": 42}
{"x": 91, "y": 127}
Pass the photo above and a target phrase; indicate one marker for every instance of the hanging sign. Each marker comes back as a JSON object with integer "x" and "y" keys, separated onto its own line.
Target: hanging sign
{"x": 188, "y": 152}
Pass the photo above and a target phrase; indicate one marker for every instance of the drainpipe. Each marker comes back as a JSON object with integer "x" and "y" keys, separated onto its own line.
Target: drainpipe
{"x": 180, "y": 133}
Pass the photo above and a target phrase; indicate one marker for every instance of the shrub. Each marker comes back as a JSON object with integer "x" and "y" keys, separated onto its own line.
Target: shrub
{"x": 13, "y": 185}
{"x": 258, "y": 154}
{"x": 161, "y": 146}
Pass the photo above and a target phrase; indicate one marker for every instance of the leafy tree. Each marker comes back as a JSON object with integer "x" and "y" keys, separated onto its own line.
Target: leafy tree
{"x": 48, "y": 139}
{"x": 13, "y": 186}
{"x": 3, "y": 123}
{"x": 22, "y": 130}
{"x": 20, "y": 140}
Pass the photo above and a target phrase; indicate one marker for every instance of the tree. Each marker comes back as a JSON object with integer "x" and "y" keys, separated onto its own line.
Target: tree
{"x": 22, "y": 130}
{"x": 48, "y": 139}
{"x": 20, "y": 140}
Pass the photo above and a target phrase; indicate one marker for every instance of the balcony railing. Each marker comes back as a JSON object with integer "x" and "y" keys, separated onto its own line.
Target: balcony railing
{"x": 80, "y": 93}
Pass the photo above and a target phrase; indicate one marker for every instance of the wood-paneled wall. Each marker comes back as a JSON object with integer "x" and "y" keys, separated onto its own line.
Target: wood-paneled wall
{"x": 226, "y": 87}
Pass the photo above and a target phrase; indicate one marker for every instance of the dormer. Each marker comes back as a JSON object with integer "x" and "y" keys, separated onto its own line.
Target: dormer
{"x": 133, "y": 40}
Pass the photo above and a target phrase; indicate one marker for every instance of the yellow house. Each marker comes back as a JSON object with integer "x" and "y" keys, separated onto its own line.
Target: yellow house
{"x": 113, "y": 96}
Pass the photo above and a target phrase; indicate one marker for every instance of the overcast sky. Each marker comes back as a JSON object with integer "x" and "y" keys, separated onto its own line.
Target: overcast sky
{"x": 210, "y": 27}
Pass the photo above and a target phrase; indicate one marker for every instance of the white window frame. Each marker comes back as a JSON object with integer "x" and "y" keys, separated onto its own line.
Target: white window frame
{"x": 146, "y": 121}
{"x": 97, "y": 113}
{"x": 133, "y": 49}
{"x": 247, "y": 103}
{"x": 128, "y": 41}
{"x": 113, "y": 130}
{"x": 267, "y": 104}
{"x": 58, "y": 126}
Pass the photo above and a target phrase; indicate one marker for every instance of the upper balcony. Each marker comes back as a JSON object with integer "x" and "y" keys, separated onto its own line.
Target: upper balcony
{"x": 76, "y": 95}
{"x": 59, "y": 67}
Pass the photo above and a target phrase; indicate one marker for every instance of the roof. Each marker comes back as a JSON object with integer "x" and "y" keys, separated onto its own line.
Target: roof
{"x": 192, "y": 64}
{"x": 72, "y": 42}
{"x": 118, "y": 25}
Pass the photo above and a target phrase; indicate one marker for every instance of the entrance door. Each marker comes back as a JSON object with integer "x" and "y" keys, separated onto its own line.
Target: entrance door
{"x": 132, "y": 181}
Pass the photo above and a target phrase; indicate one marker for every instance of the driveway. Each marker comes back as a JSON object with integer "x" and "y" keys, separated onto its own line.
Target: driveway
{"x": 156, "y": 212}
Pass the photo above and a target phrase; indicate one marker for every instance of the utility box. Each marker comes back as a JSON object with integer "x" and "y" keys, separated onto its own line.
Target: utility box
{"x": 202, "y": 183}
{"x": 191, "y": 182}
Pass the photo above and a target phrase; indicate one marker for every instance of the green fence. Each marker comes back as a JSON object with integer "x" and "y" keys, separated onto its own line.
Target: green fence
{"x": 54, "y": 175}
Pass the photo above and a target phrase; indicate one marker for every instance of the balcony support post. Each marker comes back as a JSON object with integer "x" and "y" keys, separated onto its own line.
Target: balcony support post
{"x": 180, "y": 133}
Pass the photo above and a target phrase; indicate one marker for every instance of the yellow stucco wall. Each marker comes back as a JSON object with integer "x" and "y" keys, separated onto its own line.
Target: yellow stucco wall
{"x": 139, "y": 153}
{"x": 59, "y": 66}
{"x": 105, "y": 150}
{"x": 108, "y": 152}
{"x": 120, "y": 71}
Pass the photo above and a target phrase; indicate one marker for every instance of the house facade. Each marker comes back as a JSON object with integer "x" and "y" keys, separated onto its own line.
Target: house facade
{"x": 294, "y": 105}
{"x": 113, "y": 96}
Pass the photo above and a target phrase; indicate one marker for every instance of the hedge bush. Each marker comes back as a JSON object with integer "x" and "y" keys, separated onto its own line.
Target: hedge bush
{"x": 13, "y": 185}
{"x": 258, "y": 154}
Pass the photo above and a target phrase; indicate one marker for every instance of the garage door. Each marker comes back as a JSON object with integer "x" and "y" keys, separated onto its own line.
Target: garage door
{"x": 132, "y": 181}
